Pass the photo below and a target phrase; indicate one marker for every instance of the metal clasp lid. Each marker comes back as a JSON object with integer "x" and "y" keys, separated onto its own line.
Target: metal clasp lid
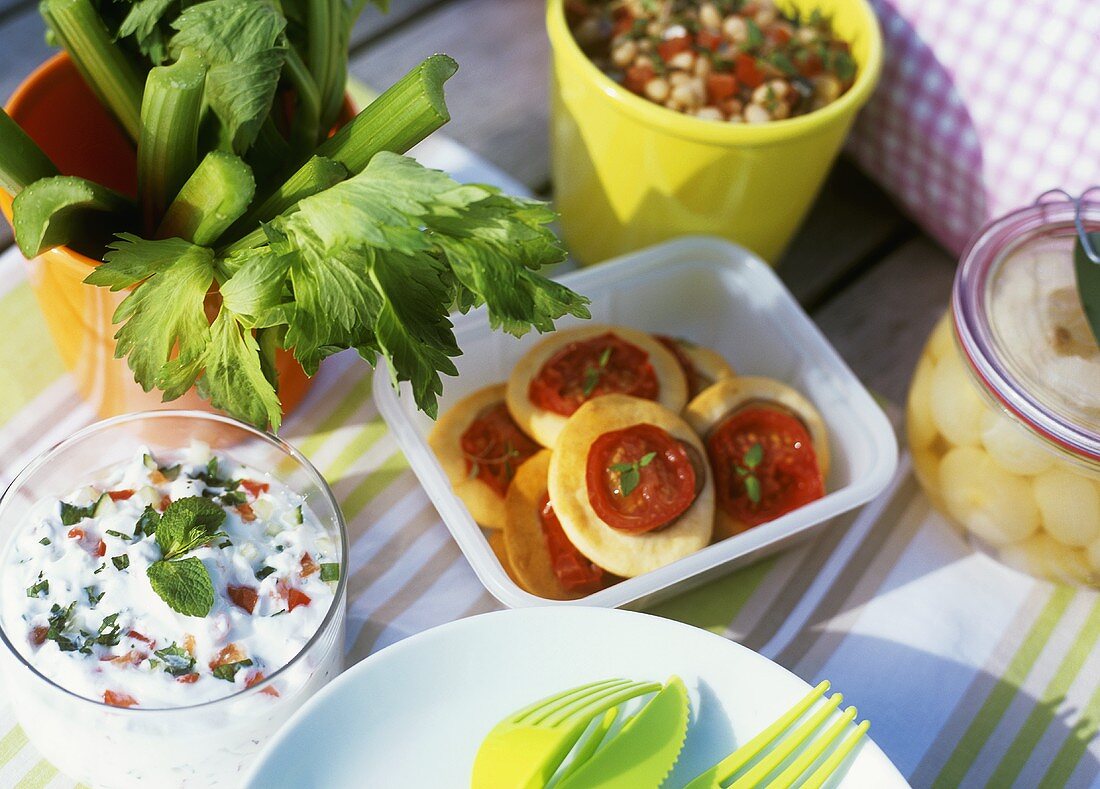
{"x": 1078, "y": 203}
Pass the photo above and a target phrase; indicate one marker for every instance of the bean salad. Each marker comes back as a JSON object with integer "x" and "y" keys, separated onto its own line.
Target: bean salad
{"x": 737, "y": 61}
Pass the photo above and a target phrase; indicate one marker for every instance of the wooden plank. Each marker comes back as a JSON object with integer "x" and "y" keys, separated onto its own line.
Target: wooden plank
{"x": 498, "y": 99}
{"x": 880, "y": 323}
{"x": 373, "y": 23}
{"x": 851, "y": 224}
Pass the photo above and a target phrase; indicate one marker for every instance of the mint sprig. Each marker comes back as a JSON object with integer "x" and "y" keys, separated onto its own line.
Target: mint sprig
{"x": 184, "y": 583}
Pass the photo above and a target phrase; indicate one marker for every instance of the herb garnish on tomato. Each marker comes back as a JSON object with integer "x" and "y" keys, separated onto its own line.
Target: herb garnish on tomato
{"x": 764, "y": 464}
{"x": 494, "y": 447}
{"x": 584, "y": 369}
{"x": 640, "y": 478}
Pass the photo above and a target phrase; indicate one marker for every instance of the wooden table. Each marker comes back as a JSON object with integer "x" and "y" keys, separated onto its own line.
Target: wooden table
{"x": 873, "y": 282}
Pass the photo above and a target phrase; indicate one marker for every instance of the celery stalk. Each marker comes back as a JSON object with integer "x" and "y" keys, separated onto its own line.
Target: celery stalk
{"x": 168, "y": 147}
{"x": 211, "y": 200}
{"x": 314, "y": 176}
{"x": 21, "y": 160}
{"x": 104, "y": 66}
{"x": 327, "y": 55}
{"x": 306, "y": 126}
{"x": 61, "y": 209}
{"x": 397, "y": 120}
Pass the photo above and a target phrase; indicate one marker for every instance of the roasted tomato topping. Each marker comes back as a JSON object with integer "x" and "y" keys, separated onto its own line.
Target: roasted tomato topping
{"x": 187, "y": 679}
{"x": 764, "y": 464}
{"x": 120, "y": 495}
{"x": 494, "y": 447}
{"x": 640, "y": 478}
{"x": 585, "y": 369}
{"x": 573, "y": 569}
{"x": 246, "y": 512}
{"x": 230, "y": 653}
{"x": 118, "y": 699}
{"x": 243, "y": 597}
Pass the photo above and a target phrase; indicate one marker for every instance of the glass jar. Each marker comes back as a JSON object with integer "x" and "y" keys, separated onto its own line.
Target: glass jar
{"x": 1003, "y": 417}
{"x": 205, "y": 745}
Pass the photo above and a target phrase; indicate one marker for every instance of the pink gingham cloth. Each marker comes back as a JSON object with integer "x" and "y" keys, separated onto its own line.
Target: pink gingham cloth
{"x": 982, "y": 106}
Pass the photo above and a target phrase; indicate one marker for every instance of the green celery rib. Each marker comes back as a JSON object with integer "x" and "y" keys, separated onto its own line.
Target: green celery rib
{"x": 22, "y": 162}
{"x": 168, "y": 147}
{"x": 55, "y": 211}
{"x": 316, "y": 175}
{"x": 104, "y": 66}
{"x": 211, "y": 200}
{"x": 327, "y": 55}
{"x": 306, "y": 124}
{"x": 397, "y": 120}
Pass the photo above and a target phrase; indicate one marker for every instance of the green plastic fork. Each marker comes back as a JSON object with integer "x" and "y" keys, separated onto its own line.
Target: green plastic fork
{"x": 757, "y": 775}
{"x": 525, "y": 749}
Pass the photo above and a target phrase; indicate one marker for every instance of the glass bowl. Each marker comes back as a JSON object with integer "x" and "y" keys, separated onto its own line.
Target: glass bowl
{"x": 208, "y": 744}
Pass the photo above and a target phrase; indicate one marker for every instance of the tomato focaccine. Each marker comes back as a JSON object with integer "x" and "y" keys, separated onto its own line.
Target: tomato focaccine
{"x": 542, "y": 557}
{"x": 767, "y": 447}
{"x": 480, "y": 447}
{"x": 575, "y": 366}
{"x": 633, "y": 463}
{"x": 701, "y": 365}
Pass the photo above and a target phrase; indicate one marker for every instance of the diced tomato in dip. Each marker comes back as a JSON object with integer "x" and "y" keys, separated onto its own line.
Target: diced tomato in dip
{"x": 494, "y": 447}
{"x": 584, "y": 369}
{"x": 640, "y": 478}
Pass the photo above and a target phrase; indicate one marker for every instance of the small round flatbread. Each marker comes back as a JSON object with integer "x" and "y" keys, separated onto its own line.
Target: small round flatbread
{"x": 484, "y": 503}
{"x": 544, "y": 425}
{"x": 523, "y": 535}
{"x": 716, "y": 402}
{"x": 710, "y": 366}
{"x": 496, "y": 542}
{"x": 617, "y": 551}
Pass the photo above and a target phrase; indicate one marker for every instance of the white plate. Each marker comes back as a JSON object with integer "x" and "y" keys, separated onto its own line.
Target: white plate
{"x": 414, "y": 714}
{"x": 717, "y": 294}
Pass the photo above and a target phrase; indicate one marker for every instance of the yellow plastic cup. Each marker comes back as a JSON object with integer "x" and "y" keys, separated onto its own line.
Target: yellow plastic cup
{"x": 629, "y": 173}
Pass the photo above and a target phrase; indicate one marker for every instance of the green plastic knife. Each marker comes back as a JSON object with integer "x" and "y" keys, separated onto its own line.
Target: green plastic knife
{"x": 644, "y": 751}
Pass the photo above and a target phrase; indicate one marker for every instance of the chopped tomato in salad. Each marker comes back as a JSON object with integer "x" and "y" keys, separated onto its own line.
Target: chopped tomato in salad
{"x": 584, "y": 369}
{"x": 640, "y": 478}
{"x": 737, "y": 61}
{"x": 764, "y": 464}
{"x": 494, "y": 447}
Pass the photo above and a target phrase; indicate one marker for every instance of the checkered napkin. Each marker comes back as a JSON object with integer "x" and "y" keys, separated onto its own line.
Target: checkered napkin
{"x": 982, "y": 105}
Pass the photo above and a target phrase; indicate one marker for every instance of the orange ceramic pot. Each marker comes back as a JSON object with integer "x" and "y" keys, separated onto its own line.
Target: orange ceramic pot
{"x": 58, "y": 110}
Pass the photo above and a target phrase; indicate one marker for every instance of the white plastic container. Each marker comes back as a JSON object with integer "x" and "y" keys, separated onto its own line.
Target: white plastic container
{"x": 713, "y": 293}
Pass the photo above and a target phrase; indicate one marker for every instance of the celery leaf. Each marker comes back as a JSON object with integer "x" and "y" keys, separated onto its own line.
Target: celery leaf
{"x": 164, "y": 315}
{"x": 244, "y": 46}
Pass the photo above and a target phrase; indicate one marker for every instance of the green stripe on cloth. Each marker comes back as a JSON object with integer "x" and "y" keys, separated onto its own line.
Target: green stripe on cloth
{"x": 1041, "y": 716}
{"x": 27, "y": 353}
{"x": 970, "y": 745}
{"x": 374, "y": 483}
{"x": 1073, "y": 749}
{"x": 39, "y": 775}
{"x": 11, "y": 744}
{"x": 715, "y": 605}
{"x": 339, "y": 415}
{"x": 361, "y": 442}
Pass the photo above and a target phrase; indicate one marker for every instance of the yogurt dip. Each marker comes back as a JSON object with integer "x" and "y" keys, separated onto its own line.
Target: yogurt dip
{"x": 96, "y": 593}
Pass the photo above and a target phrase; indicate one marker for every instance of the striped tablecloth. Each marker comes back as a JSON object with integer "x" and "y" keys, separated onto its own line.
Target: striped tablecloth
{"x": 971, "y": 673}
